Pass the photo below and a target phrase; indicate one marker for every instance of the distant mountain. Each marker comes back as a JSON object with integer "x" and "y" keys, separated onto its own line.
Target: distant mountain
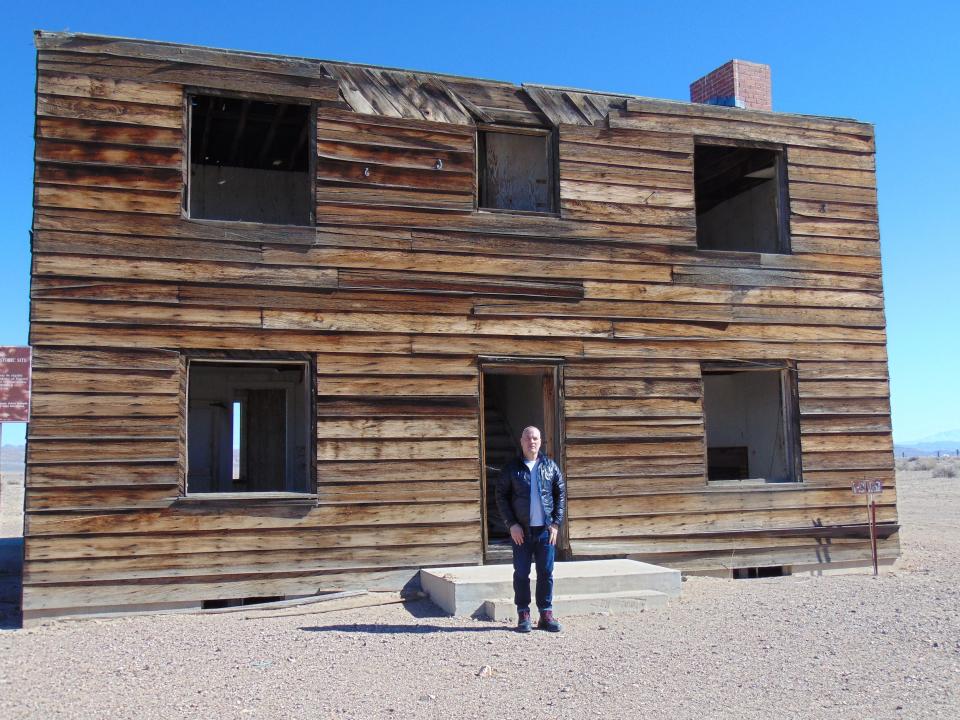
{"x": 944, "y": 443}
{"x": 926, "y": 448}
{"x": 947, "y": 436}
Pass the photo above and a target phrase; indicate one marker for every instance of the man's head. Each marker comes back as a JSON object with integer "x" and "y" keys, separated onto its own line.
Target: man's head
{"x": 530, "y": 442}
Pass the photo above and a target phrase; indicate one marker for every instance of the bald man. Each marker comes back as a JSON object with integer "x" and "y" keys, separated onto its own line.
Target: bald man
{"x": 532, "y": 499}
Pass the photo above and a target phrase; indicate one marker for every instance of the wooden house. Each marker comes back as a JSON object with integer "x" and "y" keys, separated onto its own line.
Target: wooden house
{"x": 288, "y": 316}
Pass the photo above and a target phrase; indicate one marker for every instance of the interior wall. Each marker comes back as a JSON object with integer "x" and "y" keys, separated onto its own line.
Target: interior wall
{"x": 215, "y": 386}
{"x": 235, "y": 193}
{"x": 520, "y": 399}
{"x": 746, "y": 222}
{"x": 745, "y": 409}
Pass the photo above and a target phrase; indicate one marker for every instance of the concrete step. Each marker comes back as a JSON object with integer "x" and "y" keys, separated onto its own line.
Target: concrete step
{"x": 572, "y": 605}
{"x": 464, "y": 590}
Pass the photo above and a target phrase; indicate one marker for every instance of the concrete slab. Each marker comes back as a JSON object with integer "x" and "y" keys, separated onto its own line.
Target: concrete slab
{"x": 463, "y": 590}
{"x": 572, "y": 605}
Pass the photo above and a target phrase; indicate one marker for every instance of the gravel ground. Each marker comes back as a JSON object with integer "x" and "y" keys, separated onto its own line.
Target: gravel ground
{"x": 848, "y": 646}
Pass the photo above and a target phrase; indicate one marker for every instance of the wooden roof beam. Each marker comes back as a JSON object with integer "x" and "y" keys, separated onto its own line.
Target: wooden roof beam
{"x": 241, "y": 126}
{"x": 271, "y": 134}
{"x": 298, "y": 148}
{"x": 207, "y": 122}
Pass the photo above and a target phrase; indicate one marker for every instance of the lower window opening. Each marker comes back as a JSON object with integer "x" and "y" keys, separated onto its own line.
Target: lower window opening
{"x": 248, "y": 427}
{"x": 749, "y": 423}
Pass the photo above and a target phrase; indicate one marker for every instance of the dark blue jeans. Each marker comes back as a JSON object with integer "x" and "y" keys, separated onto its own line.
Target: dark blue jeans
{"x": 536, "y": 547}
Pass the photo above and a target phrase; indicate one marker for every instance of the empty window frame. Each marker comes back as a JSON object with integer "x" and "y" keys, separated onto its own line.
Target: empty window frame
{"x": 516, "y": 170}
{"x": 249, "y": 160}
{"x": 248, "y": 427}
{"x": 751, "y": 422}
{"x": 741, "y": 197}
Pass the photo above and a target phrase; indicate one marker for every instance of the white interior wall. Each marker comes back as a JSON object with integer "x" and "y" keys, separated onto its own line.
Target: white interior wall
{"x": 746, "y": 222}
{"x": 745, "y": 409}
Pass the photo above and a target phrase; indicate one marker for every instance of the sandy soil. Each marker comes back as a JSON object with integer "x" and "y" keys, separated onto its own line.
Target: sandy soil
{"x": 849, "y": 646}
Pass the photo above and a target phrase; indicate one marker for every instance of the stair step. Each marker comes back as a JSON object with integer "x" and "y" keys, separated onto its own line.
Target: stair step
{"x": 572, "y": 605}
{"x": 464, "y": 590}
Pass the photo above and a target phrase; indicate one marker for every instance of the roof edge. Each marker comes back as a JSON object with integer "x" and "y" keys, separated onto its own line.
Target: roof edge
{"x": 40, "y": 35}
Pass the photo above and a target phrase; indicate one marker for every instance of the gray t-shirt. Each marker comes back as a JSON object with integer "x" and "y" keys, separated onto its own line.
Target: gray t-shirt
{"x": 537, "y": 516}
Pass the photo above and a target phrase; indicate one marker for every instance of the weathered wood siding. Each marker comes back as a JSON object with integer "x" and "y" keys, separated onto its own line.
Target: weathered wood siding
{"x": 395, "y": 292}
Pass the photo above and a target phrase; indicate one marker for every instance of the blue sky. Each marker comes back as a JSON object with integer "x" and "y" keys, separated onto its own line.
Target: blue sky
{"x": 893, "y": 64}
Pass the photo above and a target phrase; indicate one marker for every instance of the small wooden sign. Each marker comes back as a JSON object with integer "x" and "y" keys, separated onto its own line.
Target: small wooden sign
{"x": 14, "y": 384}
{"x": 867, "y": 487}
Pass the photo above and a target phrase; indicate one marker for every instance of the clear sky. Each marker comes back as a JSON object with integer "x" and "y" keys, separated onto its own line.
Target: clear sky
{"x": 894, "y": 64}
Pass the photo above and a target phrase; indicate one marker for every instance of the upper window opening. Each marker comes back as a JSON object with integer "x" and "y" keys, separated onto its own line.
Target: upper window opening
{"x": 515, "y": 171}
{"x": 249, "y": 160}
{"x": 749, "y": 423}
{"x": 738, "y": 198}
{"x": 248, "y": 427}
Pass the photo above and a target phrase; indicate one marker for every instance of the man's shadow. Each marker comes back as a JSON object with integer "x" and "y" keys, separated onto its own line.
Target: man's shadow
{"x": 422, "y": 610}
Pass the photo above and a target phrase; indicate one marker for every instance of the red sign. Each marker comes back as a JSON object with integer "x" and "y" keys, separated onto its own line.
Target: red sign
{"x": 14, "y": 384}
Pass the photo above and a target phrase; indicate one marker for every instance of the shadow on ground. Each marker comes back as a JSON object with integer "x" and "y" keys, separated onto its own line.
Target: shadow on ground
{"x": 422, "y": 610}
{"x": 397, "y": 629}
{"x": 11, "y": 581}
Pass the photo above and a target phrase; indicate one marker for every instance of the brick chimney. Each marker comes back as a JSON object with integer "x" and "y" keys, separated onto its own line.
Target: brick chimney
{"x": 739, "y": 84}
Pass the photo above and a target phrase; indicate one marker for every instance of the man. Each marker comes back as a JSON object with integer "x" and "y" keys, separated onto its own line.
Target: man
{"x": 532, "y": 499}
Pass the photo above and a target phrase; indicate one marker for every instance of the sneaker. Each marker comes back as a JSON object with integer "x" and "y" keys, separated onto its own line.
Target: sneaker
{"x": 523, "y": 621}
{"x": 548, "y": 623}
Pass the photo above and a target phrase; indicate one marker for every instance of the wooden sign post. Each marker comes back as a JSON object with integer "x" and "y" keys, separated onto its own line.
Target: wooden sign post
{"x": 870, "y": 488}
{"x": 14, "y": 388}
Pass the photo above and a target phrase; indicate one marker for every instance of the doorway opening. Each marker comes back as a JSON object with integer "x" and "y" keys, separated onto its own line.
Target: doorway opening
{"x": 515, "y": 396}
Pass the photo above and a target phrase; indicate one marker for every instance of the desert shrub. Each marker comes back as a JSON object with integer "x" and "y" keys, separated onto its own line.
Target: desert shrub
{"x": 927, "y": 463}
{"x": 946, "y": 471}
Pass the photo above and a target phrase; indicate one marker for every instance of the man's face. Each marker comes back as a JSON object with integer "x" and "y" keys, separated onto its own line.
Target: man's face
{"x": 530, "y": 442}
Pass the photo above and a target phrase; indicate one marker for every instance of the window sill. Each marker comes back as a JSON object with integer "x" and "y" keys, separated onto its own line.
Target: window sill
{"x": 252, "y": 224}
{"x": 753, "y": 483}
{"x": 272, "y": 498}
{"x": 521, "y": 213}
{"x": 755, "y": 256}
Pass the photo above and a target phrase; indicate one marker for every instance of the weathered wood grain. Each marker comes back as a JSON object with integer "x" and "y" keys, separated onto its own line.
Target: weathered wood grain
{"x": 316, "y": 85}
{"x": 857, "y": 139}
{"x": 86, "y": 85}
{"x": 118, "y": 157}
{"x": 132, "y": 113}
{"x": 397, "y": 295}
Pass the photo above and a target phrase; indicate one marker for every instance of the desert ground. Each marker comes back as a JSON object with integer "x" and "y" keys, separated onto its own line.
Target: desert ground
{"x": 837, "y": 646}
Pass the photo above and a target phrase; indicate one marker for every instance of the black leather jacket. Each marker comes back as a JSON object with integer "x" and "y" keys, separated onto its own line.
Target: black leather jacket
{"x": 513, "y": 492}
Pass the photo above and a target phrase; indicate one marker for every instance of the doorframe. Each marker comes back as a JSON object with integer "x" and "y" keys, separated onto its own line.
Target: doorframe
{"x": 551, "y": 369}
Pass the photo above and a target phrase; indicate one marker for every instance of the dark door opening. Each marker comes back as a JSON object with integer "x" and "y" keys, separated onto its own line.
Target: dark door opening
{"x": 515, "y": 396}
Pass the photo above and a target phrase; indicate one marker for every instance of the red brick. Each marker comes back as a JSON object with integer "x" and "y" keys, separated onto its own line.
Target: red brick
{"x": 748, "y": 81}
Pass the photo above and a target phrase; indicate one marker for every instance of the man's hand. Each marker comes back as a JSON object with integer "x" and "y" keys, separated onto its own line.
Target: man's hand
{"x": 516, "y": 532}
{"x": 554, "y": 531}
